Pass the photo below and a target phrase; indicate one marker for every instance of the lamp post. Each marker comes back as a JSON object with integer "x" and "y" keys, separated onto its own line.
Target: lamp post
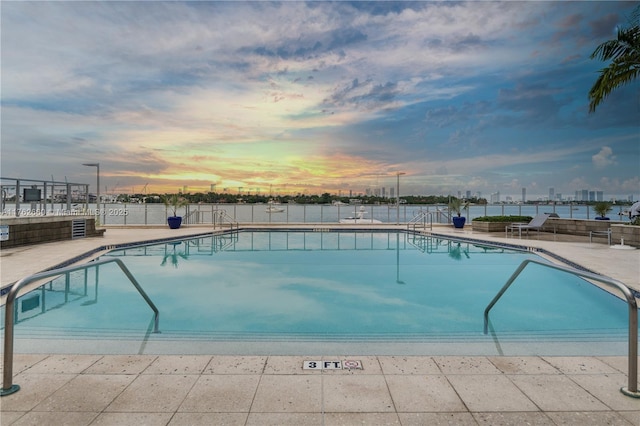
{"x": 398, "y": 196}
{"x": 97, "y": 166}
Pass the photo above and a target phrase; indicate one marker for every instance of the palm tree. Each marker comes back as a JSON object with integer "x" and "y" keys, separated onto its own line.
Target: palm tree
{"x": 624, "y": 52}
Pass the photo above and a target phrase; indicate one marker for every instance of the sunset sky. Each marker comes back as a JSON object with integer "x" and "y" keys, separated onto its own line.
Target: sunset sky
{"x": 316, "y": 97}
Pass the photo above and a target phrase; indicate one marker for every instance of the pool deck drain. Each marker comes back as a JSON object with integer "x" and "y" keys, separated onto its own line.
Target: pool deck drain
{"x": 260, "y": 390}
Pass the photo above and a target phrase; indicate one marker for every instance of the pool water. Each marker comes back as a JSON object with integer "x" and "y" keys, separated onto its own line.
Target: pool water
{"x": 296, "y": 291}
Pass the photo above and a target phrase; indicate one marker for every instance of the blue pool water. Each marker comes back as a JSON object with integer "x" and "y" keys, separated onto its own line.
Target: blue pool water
{"x": 317, "y": 292}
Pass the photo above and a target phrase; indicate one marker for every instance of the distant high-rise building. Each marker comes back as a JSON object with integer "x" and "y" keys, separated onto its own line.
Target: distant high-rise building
{"x": 384, "y": 192}
{"x": 495, "y": 197}
{"x": 599, "y": 196}
{"x": 552, "y": 193}
{"x": 468, "y": 194}
{"x": 524, "y": 195}
{"x": 392, "y": 192}
{"x": 585, "y": 195}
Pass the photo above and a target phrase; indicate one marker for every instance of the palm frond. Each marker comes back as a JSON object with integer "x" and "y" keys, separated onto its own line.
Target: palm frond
{"x": 624, "y": 54}
{"x": 618, "y": 73}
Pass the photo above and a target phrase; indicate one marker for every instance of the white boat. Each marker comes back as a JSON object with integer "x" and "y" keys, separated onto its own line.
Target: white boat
{"x": 274, "y": 208}
{"x": 359, "y": 217}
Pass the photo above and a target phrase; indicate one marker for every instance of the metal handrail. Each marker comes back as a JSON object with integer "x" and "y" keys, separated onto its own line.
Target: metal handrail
{"x": 421, "y": 217}
{"x": 224, "y": 217}
{"x": 7, "y": 383}
{"x": 632, "y": 388}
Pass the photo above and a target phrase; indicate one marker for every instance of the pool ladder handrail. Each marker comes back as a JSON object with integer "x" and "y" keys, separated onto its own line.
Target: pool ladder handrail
{"x": 421, "y": 217}
{"x": 224, "y": 217}
{"x": 632, "y": 387}
{"x": 7, "y": 383}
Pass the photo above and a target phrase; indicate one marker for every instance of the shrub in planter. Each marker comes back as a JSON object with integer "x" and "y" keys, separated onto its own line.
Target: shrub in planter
{"x": 496, "y": 223}
{"x": 602, "y": 208}
{"x": 508, "y": 219}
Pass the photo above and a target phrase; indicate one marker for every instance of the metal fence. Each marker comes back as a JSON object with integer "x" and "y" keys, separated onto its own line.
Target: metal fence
{"x": 29, "y": 197}
{"x": 202, "y": 214}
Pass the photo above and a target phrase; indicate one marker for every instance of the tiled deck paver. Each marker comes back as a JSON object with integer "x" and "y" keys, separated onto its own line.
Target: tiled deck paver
{"x": 154, "y": 393}
{"x": 34, "y": 388}
{"x": 285, "y": 419}
{"x": 556, "y": 393}
{"x": 178, "y": 364}
{"x": 356, "y": 394}
{"x": 490, "y": 392}
{"x": 236, "y": 365}
{"x": 275, "y": 390}
{"x": 418, "y": 393}
{"x": 221, "y": 394}
{"x": 437, "y": 419}
{"x": 128, "y": 419}
{"x": 288, "y": 393}
{"x": 86, "y": 392}
{"x": 467, "y": 390}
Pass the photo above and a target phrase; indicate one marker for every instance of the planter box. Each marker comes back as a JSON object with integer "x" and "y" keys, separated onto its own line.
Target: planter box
{"x": 489, "y": 226}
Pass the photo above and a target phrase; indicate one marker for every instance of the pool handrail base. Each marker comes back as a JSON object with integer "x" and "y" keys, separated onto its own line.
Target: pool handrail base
{"x": 632, "y": 388}
{"x": 8, "y": 387}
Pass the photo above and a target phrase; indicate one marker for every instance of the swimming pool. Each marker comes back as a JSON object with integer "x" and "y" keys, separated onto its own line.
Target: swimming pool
{"x": 321, "y": 292}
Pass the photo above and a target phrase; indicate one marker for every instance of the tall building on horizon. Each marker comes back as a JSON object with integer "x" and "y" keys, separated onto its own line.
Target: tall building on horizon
{"x": 524, "y": 195}
{"x": 552, "y": 192}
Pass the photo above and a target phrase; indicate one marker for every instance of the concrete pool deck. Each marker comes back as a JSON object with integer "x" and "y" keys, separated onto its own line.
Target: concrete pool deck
{"x": 262, "y": 390}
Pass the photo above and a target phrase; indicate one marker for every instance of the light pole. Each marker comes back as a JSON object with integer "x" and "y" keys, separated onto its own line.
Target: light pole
{"x": 398, "y": 196}
{"x": 97, "y": 165}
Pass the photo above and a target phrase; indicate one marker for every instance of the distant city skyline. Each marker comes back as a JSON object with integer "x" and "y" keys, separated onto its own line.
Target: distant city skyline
{"x": 317, "y": 97}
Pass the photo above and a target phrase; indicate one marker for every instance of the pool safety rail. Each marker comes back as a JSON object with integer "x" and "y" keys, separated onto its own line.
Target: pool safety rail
{"x": 217, "y": 217}
{"x": 632, "y": 388}
{"x": 420, "y": 221}
{"x": 7, "y": 383}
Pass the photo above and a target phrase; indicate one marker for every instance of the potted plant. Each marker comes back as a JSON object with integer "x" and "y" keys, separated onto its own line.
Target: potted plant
{"x": 456, "y": 205}
{"x": 174, "y": 201}
{"x": 602, "y": 208}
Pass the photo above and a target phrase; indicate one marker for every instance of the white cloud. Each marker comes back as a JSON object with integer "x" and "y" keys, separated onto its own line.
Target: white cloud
{"x": 604, "y": 158}
{"x": 204, "y": 76}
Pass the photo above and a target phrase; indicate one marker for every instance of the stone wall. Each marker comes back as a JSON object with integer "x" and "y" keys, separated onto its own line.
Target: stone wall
{"x": 43, "y": 229}
{"x": 631, "y": 234}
